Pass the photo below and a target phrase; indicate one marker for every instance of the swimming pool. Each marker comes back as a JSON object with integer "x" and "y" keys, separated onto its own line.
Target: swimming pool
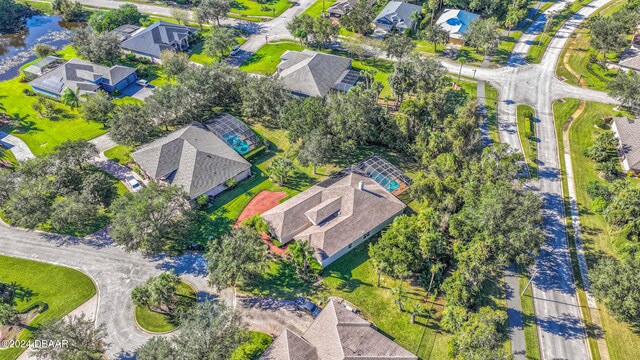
{"x": 387, "y": 182}
{"x": 242, "y": 147}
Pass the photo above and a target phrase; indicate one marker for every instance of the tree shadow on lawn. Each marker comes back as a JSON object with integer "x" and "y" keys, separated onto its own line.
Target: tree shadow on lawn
{"x": 280, "y": 281}
{"x": 255, "y": 58}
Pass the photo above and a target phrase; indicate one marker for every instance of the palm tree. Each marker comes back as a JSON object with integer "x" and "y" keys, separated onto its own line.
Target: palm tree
{"x": 141, "y": 296}
{"x": 435, "y": 268}
{"x": 464, "y": 56}
{"x": 302, "y": 253}
{"x": 70, "y": 98}
{"x": 399, "y": 293}
{"x": 416, "y": 16}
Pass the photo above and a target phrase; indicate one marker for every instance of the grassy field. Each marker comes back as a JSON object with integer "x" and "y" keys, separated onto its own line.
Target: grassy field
{"x": 623, "y": 342}
{"x": 577, "y": 53}
{"x": 315, "y": 10}
{"x": 156, "y": 322}
{"x": 267, "y": 58}
{"x": 61, "y": 288}
{"x": 254, "y": 347}
{"x": 253, "y": 8}
{"x": 525, "y": 116}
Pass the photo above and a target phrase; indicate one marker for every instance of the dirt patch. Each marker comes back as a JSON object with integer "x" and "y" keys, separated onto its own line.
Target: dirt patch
{"x": 263, "y": 201}
{"x": 11, "y": 332}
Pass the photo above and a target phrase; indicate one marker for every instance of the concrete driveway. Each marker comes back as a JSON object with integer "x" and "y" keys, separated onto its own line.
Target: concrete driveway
{"x": 137, "y": 91}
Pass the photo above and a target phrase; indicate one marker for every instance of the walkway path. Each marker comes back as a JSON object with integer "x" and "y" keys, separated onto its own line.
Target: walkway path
{"x": 18, "y": 147}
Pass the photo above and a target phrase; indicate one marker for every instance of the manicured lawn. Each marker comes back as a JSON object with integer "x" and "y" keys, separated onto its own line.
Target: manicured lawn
{"x": 252, "y": 349}
{"x": 577, "y": 52}
{"x": 156, "y": 322}
{"x": 525, "y": 116}
{"x": 383, "y": 69}
{"x": 120, "y": 154}
{"x": 315, "y": 10}
{"x": 62, "y": 289}
{"x": 7, "y": 155}
{"x": 505, "y": 47}
{"x": 278, "y": 280}
{"x": 623, "y": 342}
{"x": 198, "y": 55}
{"x": 491, "y": 95}
{"x": 424, "y": 46}
{"x": 528, "y": 319}
{"x": 265, "y": 61}
{"x": 43, "y": 134}
{"x": 537, "y": 50}
{"x": 253, "y": 8}
{"x": 353, "y": 278}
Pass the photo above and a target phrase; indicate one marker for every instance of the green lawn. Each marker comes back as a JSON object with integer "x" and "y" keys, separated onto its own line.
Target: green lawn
{"x": 577, "y": 52}
{"x": 120, "y": 154}
{"x": 528, "y": 319}
{"x": 7, "y": 155}
{"x": 315, "y": 10}
{"x": 254, "y": 347}
{"x": 525, "y": 116}
{"x": 383, "y": 69}
{"x": 43, "y": 134}
{"x": 156, "y": 322}
{"x": 623, "y": 342}
{"x": 505, "y": 47}
{"x": 353, "y": 278}
{"x": 265, "y": 61}
{"x": 198, "y": 55}
{"x": 62, "y": 289}
{"x": 537, "y": 50}
{"x": 491, "y": 94}
{"x": 253, "y": 8}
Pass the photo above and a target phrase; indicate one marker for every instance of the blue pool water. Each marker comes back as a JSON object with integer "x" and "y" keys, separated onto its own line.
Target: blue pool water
{"x": 242, "y": 147}
{"x": 387, "y": 182}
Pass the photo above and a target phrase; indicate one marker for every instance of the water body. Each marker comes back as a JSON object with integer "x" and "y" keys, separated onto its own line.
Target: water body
{"x": 17, "y": 49}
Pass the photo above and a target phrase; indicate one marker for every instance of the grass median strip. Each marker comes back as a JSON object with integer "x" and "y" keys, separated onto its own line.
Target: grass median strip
{"x": 527, "y": 132}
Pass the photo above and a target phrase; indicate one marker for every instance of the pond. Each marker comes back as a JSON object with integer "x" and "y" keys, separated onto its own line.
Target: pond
{"x": 17, "y": 49}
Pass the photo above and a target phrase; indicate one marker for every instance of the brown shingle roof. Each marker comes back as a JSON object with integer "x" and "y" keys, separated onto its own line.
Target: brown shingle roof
{"x": 338, "y": 334}
{"x": 311, "y": 215}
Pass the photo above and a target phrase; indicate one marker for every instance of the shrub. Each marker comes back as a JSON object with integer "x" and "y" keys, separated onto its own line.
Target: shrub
{"x": 231, "y": 183}
{"x": 600, "y": 123}
{"x": 130, "y": 57}
{"x": 597, "y": 189}
{"x": 630, "y": 173}
{"x": 28, "y": 92}
{"x": 202, "y": 201}
{"x": 257, "y": 223}
{"x": 116, "y": 92}
{"x": 23, "y": 79}
{"x": 599, "y": 205}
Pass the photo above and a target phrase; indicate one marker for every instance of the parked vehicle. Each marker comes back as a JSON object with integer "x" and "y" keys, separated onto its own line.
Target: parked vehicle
{"x": 235, "y": 50}
{"x": 142, "y": 82}
{"x": 308, "y": 306}
{"x": 133, "y": 183}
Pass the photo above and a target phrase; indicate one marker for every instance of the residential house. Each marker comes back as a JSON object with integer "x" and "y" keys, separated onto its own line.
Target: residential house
{"x": 149, "y": 42}
{"x": 41, "y": 67}
{"x": 630, "y": 58}
{"x": 396, "y": 16}
{"x": 628, "y": 132}
{"x": 335, "y": 215}
{"x": 193, "y": 158}
{"x": 83, "y": 77}
{"x": 456, "y": 23}
{"x": 336, "y": 334}
{"x": 342, "y": 7}
{"x": 310, "y": 73}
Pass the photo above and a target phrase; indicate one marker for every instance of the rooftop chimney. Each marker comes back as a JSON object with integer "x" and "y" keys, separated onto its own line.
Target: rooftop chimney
{"x": 361, "y": 185}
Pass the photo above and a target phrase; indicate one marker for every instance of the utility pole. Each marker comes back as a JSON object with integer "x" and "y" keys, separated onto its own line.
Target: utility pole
{"x": 529, "y": 283}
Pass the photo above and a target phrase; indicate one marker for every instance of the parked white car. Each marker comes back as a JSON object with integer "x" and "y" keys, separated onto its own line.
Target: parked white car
{"x": 133, "y": 183}
{"x": 142, "y": 82}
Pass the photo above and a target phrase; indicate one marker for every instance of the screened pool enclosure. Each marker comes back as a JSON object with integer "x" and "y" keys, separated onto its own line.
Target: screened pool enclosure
{"x": 238, "y": 135}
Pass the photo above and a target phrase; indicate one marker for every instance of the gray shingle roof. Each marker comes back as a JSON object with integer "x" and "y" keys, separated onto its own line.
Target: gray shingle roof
{"x": 311, "y": 73}
{"x": 80, "y": 74}
{"x": 337, "y": 334}
{"x": 397, "y": 13}
{"x": 192, "y": 157}
{"x": 630, "y": 58}
{"x": 628, "y": 132}
{"x": 154, "y": 39}
{"x": 37, "y": 67}
{"x": 308, "y": 215}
